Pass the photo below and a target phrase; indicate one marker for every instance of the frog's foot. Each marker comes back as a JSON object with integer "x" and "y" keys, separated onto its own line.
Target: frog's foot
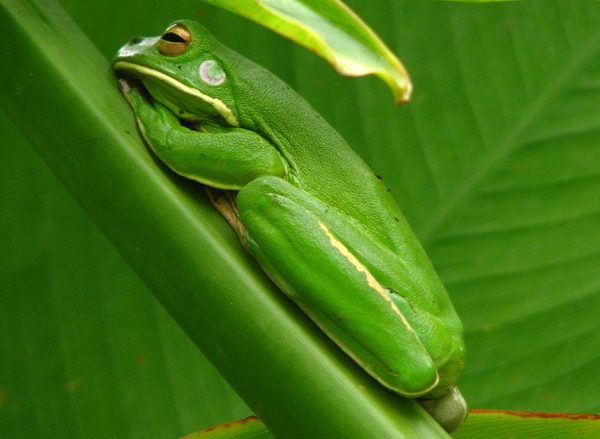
{"x": 450, "y": 410}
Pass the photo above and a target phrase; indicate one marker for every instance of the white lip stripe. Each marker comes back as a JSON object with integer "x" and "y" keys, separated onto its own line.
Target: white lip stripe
{"x": 218, "y": 104}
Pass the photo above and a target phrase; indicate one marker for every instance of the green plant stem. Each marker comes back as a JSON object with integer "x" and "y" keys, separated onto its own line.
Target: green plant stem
{"x": 61, "y": 94}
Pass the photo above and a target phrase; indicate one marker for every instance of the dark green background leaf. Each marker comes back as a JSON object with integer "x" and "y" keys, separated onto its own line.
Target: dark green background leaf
{"x": 495, "y": 164}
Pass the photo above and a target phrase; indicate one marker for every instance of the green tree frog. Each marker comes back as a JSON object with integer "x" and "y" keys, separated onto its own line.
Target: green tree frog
{"x": 319, "y": 222}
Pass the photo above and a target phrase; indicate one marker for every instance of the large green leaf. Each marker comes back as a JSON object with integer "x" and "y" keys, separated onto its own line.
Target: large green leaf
{"x": 166, "y": 229}
{"x": 332, "y": 30}
{"x": 493, "y": 162}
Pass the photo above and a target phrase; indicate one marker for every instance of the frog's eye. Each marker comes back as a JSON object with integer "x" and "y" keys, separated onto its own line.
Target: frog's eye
{"x": 174, "y": 41}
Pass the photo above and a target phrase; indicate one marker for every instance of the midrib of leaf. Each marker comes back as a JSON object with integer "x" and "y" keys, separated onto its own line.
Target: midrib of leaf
{"x": 510, "y": 141}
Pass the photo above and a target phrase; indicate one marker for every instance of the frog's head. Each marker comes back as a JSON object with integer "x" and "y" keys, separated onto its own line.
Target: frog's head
{"x": 182, "y": 70}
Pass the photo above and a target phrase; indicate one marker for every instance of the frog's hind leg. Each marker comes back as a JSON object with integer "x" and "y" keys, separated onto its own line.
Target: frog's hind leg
{"x": 304, "y": 255}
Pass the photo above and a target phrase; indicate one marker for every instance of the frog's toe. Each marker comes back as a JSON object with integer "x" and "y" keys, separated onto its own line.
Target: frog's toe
{"x": 450, "y": 410}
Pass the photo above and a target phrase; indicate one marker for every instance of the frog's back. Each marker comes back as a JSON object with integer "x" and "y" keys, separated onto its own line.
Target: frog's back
{"x": 328, "y": 169}
{"x": 321, "y": 160}
{"x": 324, "y": 166}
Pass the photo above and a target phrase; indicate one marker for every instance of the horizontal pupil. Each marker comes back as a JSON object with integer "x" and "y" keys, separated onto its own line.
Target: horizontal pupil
{"x": 173, "y": 37}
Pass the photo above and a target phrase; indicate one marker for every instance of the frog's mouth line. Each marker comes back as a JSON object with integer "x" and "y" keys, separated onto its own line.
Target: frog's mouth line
{"x": 217, "y": 104}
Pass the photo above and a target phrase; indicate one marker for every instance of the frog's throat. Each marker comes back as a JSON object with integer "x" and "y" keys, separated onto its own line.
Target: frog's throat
{"x": 217, "y": 104}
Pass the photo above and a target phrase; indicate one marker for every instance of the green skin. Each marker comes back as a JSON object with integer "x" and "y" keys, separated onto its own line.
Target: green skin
{"x": 312, "y": 213}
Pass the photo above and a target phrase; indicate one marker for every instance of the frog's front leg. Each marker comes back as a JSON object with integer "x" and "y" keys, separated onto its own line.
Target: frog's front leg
{"x": 222, "y": 157}
{"x": 304, "y": 255}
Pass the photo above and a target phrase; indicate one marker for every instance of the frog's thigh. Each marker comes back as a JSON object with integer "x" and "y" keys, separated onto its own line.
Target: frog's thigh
{"x": 303, "y": 255}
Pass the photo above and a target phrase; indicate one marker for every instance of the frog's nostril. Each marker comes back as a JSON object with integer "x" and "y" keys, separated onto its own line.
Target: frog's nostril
{"x": 135, "y": 40}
